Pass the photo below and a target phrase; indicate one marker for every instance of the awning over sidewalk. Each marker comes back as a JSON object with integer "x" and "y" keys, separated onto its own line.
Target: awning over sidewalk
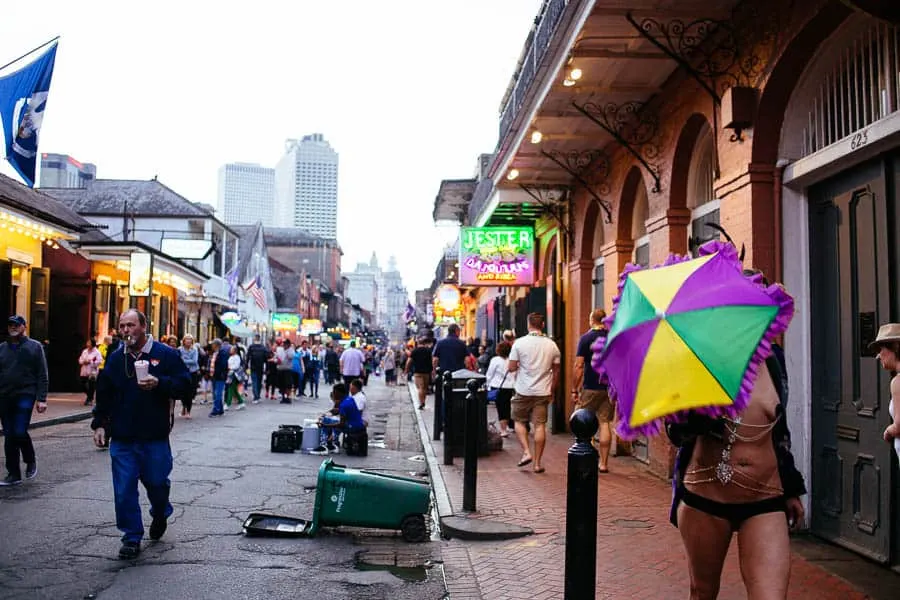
{"x": 184, "y": 278}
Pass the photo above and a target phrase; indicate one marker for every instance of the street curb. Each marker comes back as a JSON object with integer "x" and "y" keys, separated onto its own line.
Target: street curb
{"x": 452, "y": 525}
{"x": 441, "y": 495}
{"x": 73, "y": 418}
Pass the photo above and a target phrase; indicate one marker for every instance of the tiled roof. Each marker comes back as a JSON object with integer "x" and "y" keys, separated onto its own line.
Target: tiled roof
{"x": 39, "y": 205}
{"x": 287, "y": 285}
{"x": 294, "y": 236}
{"x": 142, "y": 198}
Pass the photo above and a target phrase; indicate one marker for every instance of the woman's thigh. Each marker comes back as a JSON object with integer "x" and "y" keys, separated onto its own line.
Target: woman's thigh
{"x": 706, "y": 539}
{"x": 765, "y": 555}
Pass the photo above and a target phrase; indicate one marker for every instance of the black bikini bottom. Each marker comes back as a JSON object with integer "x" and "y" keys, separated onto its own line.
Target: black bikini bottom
{"x": 735, "y": 513}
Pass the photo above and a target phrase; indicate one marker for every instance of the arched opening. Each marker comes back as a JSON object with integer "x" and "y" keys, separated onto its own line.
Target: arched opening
{"x": 837, "y": 79}
{"x": 634, "y": 210}
{"x": 599, "y": 275}
{"x": 640, "y": 214}
{"x": 701, "y": 199}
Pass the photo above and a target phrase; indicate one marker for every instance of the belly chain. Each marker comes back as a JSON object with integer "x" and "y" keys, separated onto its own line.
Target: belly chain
{"x": 724, "y": 472}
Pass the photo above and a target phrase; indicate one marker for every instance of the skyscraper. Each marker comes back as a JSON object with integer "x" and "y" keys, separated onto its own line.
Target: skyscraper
{"x": 63, "y": 171}
{"x": 307, "y": 185}
{"x": 247, "y": 194}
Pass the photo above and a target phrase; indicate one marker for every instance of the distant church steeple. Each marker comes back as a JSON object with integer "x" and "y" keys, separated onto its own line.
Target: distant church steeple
{"x": 374, "y": 262}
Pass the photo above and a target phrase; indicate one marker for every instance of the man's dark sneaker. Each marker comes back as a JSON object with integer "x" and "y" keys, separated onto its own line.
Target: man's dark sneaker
{"x": 129, "y": 550}
{"x": 10, "y": 480}
{"x": 30, "y": 470}
{"x": 158, "y": 527}
{"x": 285, "y": 401}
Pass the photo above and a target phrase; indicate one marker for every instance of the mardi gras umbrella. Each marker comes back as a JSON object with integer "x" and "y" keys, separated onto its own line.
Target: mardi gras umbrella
{"x": 688, "y": 335}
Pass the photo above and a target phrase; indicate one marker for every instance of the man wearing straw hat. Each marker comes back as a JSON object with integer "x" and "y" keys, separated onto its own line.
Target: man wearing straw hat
{"x": 887, "y": 344}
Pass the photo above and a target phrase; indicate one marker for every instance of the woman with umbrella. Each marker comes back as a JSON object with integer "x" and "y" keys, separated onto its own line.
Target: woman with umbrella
{"x": 691, "y": 348}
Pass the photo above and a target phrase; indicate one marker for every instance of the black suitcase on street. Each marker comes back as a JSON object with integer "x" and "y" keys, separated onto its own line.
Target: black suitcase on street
{"x": 283, "y": 440}
{"x": 357, "y": 443}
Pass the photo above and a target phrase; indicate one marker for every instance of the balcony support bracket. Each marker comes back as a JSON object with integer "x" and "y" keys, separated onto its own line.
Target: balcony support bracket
{"x": 634, "y": 128}
{"x": 549, "y": 200}
{"x": 576, "y": 163}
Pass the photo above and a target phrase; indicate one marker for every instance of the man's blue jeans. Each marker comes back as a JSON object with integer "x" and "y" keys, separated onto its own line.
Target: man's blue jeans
{"x": 151, "y": 464}
{"x": 15, "y": 415}
{"x": 218, "y": 397}
{"x": 256, "y": 380}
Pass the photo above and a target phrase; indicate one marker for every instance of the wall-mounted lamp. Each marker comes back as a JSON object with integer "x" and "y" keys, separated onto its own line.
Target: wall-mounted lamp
{"x": 738, "y": 107}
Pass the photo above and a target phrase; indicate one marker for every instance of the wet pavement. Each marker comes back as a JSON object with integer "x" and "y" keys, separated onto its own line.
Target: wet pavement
{"x": 58, "y": 537}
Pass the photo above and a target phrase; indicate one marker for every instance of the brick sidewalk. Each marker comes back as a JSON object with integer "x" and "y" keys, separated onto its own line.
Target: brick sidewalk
{"x": 639, "y": 554}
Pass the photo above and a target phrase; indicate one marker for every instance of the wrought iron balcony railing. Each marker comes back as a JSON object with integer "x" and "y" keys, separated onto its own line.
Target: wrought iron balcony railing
{"x": 547, "y": 22}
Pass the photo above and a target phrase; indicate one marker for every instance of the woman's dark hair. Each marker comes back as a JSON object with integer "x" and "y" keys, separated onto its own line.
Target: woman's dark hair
{"x": 503, "y": 349}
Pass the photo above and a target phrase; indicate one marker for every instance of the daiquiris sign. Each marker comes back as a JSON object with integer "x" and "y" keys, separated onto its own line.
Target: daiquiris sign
{"x": 501, "y": 256}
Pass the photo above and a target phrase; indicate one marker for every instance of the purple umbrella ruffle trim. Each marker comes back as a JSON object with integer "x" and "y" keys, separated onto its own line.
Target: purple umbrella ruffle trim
{"x": 779, "y": 324}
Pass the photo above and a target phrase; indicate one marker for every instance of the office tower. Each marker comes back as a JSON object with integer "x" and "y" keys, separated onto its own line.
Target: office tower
{"x": 307, "y": 180}
{"x": 63, "y": 171}
{"x": 247, "y": 195}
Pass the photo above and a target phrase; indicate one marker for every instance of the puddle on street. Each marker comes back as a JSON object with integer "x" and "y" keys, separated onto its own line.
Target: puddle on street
{"x": 413, "y": 574}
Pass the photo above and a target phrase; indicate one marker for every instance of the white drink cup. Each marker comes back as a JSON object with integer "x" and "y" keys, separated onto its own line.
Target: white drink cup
{"x": 141, "y": 369}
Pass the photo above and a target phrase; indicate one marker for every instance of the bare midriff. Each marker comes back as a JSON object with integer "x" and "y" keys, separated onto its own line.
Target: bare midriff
{"x": 750, "y": 471}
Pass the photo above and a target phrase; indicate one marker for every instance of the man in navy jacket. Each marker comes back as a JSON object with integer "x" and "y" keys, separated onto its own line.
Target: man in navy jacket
{"x": 134, "y": 415}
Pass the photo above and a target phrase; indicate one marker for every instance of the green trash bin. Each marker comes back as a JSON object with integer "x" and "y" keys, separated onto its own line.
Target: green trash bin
{"x": 360, "y": 498}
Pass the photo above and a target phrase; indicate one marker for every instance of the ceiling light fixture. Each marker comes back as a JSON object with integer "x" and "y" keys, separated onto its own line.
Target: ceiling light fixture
{"x": 575, "y": 74}
{"x": 536, "y": 137}
{"x": 568, "y": 82}
{"x": 512, "y": 174}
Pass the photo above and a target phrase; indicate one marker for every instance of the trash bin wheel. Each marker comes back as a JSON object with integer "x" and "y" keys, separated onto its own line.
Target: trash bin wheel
{"x": 414, "y": 529}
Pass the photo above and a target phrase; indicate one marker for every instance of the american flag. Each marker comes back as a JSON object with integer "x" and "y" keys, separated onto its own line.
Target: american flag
{"x": 253, "y": 288}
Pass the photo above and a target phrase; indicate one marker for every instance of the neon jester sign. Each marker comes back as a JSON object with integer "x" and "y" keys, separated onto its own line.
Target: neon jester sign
{"x": 496, "y": 256}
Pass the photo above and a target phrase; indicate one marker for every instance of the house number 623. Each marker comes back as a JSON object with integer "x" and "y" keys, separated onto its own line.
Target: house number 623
{"x": 859, "y": 139}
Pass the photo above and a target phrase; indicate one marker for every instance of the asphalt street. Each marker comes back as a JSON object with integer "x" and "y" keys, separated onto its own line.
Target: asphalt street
{"x": 58, "y": 538}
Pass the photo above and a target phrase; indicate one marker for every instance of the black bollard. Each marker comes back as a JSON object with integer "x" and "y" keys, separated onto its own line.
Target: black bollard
{"x": 438, "y": 405}
{"x": 470, "y": 468}
{"x": 581, "y": 509}
{"x": 447, "y": 409}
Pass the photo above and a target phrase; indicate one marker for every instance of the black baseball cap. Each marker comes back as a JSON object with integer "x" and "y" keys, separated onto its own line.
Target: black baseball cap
{"x": 16, "y": 320}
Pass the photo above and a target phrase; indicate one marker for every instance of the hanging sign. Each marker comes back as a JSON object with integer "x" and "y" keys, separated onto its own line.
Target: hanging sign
{"x": 496, "y": 256}
{"x": 285, "y": 322}
{"x": 310, "y": 327}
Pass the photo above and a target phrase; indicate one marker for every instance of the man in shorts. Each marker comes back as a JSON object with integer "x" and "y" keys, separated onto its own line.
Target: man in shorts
{"x": 535, "y": 360}
{"x": 419, "y": 367}
{"x": 587, "y": 389}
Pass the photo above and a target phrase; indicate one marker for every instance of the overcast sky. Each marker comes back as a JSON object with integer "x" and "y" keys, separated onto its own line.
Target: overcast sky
{"x": 407, "y": 91}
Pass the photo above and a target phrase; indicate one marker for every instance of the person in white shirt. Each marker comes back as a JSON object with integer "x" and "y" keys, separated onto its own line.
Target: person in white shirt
{"x": 535, "y": 360}
{"x": 235, "y": 378}
{"x": 500, "y": 379}
{"x": 359, "y": 397}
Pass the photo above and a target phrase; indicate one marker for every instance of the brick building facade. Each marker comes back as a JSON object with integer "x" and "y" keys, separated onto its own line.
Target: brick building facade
{"x": 778, "y": 121}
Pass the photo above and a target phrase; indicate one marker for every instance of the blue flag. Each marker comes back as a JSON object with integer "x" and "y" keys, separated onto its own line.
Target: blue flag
{"x": 231, "y": 278}
{"x": 23, "y": 98}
